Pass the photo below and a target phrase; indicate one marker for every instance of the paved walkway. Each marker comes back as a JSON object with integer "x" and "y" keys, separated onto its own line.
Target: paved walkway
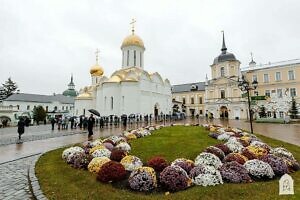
{"x": 16, "y": 159}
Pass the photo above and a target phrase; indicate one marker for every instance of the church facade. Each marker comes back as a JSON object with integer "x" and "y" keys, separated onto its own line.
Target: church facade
{"x": 129, "y": 90}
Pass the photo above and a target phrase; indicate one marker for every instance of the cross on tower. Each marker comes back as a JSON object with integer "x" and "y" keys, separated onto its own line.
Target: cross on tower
{"x": 97, "y": 55}
{"x": 251, "y": 56}
{"x": 132, "y": 25}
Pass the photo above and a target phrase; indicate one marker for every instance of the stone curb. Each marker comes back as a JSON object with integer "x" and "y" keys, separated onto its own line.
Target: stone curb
{"x": 33, "y": 181}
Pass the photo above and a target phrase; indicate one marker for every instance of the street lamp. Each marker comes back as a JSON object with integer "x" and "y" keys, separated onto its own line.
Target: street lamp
{"x": 244, "y": 85}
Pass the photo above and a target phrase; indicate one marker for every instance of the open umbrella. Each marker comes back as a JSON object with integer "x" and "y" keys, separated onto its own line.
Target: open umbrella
{"x": 95, "y": 112}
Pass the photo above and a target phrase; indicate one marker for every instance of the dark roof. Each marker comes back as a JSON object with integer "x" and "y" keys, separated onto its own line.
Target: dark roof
{"x": 40, "y": 98}
{"x": 200, "y": 86}
{"x": 224, "y": 57}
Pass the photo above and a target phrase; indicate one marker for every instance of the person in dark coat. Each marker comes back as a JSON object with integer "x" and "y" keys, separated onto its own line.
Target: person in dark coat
{"x": 101, "y": 122}
{"x": 90, "y": 123}
{"x": 52, "y": 123}
{"x": 21, "y": 127}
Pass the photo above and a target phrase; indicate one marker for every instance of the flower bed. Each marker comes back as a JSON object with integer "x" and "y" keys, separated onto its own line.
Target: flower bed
{"x": 241, "y": 158}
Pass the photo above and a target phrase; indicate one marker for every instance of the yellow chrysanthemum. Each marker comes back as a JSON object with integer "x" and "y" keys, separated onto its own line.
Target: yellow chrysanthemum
{"x": 96, "y": 164}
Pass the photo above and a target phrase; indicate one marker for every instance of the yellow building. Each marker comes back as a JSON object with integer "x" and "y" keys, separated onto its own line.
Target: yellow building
{"x": 221, "y": 97}
{"x": 279, "y": 82}
{"x": 189, "y": 98}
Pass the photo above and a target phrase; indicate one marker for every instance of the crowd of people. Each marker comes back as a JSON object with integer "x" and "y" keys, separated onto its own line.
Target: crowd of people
{"x": 88, "y": 123}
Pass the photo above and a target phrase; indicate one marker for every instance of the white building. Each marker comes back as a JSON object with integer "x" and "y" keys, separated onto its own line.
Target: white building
{"x": 22, "y": 104}
{"x": 129, "y": 90}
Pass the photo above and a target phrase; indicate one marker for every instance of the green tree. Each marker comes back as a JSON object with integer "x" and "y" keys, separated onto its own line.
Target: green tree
{"x": 293, "y": 109}
{"x": 262, "y": 112}
{"x": 10, "y": 87}
{"x": 2, "y": 93}
{"x": 39, "y": 114}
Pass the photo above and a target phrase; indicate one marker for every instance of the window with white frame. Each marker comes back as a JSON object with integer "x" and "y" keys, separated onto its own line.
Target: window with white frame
{"x": 293, "y": 92}
{"x": 222, "y": 71}
{"x": 254, "y": 77}
{"x": 278, "y": 76}
{"x": 266, "y": 78}
{"x": 291, "y": 75}
{"x": 279, "y": 93}
{"x": 281, "y": 115}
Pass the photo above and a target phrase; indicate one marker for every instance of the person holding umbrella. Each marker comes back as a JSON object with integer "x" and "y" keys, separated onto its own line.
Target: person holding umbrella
{"x": 91, "y": 122}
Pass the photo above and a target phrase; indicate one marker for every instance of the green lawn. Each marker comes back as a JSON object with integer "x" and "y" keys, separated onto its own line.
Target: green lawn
{"x": 60, "y": 181}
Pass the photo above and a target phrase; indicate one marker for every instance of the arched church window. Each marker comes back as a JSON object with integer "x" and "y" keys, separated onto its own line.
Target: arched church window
{"x": 222, "y": 71}
{"x": 134, "y": 57}
{"x": 112, "y": 103}
{"x": 127, "y": 58}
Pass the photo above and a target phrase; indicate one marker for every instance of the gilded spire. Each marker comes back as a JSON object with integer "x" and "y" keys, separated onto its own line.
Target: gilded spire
{"x": 224, "y": 49}
{"x": 132, "y": 25}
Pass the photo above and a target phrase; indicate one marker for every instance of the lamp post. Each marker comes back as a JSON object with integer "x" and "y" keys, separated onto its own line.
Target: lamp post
{"x": 245, "y": 85}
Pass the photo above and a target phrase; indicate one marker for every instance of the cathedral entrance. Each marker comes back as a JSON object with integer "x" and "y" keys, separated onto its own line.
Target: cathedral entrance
{"x": 224, "y": 112}
{"x": 156, "y": 107}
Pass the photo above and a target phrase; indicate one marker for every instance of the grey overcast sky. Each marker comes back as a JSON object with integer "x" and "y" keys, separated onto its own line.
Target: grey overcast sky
{"x": 42, "y": 42}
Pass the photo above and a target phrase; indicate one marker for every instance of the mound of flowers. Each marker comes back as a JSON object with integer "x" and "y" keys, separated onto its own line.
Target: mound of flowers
{"x": 174, "y": 178}
{"x": 131, "y": 162}
{"x": 216, "y": 151}
{"x": 143, "y": 179}
{"x": 234, "y": 172}
{"x": 96, "y": 164}
{"x": 206, "y": 175}
{"x": 184, "y": 163}
{"x": 157, "y": 163}
{"x": 236, "y": 157}
{"x": 259, "y": 169}
{"x": 111, "y": 171}
{"x": 278, "y": 165}
{"x": 117, "y": 155}
{"x": 240, "y": 157}
{"x": 208, "y": 159}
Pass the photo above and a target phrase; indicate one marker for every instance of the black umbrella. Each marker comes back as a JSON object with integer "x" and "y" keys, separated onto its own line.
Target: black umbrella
{"x": 95, "y": 112}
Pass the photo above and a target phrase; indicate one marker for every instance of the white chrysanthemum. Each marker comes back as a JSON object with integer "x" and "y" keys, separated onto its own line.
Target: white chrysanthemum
{"x": 67, "y": 152}
{"x": 208, "y": 159}
{"x": 208, "y": 179}
{"x": 282, "y": 152}
{"x": 234, "y": 145}
{"x": 101, "y": 153}
{"x": 124, "y": 146}
{"x": 223, "y": 137}
{"x": 259, "y": 168}
{"x": 131, "y": 163}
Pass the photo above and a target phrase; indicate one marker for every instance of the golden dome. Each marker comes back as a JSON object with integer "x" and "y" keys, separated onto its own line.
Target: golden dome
{"x": 84, "y": 95}
{"x": 114, "y": 79}
{"x": 133, "y": 40}
{"x": 96, "y": 70}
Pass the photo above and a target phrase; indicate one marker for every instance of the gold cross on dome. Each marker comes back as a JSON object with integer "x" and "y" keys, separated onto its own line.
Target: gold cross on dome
{"x": 132, "y": 25}
{"x": 97, "y": 55}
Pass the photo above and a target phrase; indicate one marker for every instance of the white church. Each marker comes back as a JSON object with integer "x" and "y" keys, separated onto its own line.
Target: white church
{"x": 129, "y": 90}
